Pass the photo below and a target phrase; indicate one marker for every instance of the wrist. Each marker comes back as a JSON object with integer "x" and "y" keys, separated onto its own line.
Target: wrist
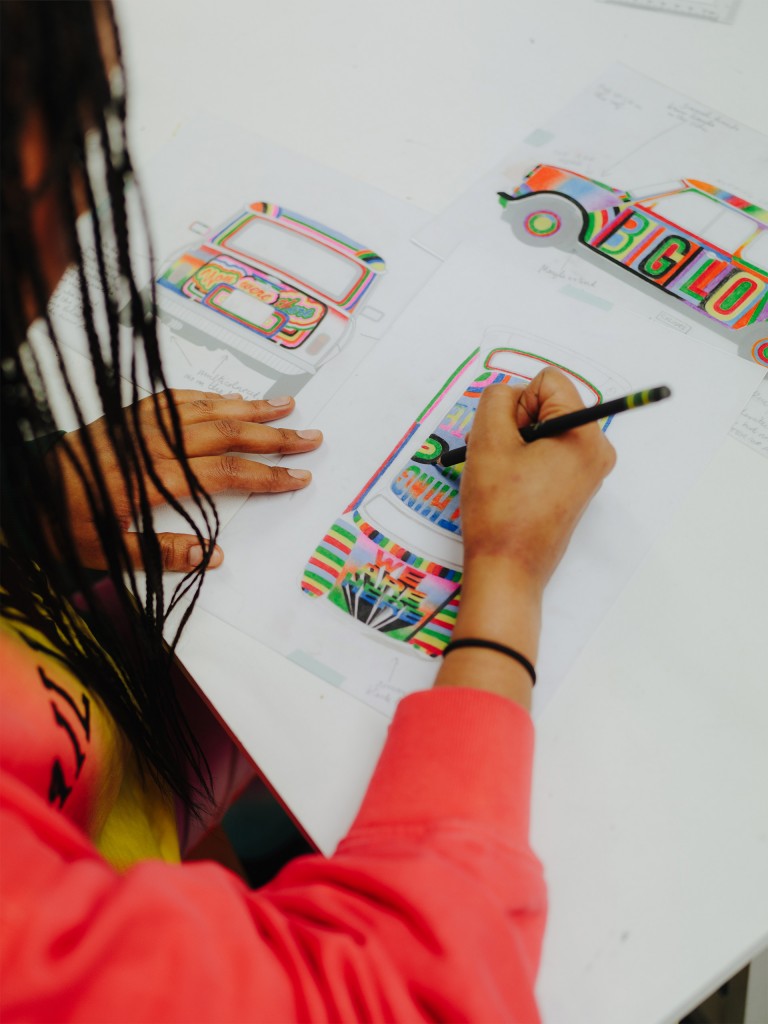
{"x": 502, "y": 604}
{"x": 478, "y": 668}
{"x": 503, "y": 576}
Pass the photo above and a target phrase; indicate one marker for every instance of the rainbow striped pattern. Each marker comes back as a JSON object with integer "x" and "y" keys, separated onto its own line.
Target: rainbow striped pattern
{"x": 384, "y": 586}
{"x": 328, "y": 560}
{"x": 218, "y": 275}
{"x": 751, "y": 209}
{"x": 729, "y": 288}
{"x": 208, "y": 277}
{"x": 433, "y": 637}
{"x": 412, "y": 429}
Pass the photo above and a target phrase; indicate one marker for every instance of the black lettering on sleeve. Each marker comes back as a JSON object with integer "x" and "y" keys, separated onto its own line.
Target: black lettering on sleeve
{"x": 84, "y": 716}
{"x": 64, "y": 724}
{"x": 58, "y": 788}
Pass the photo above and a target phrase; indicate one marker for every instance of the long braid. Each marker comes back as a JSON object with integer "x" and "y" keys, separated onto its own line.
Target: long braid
{"x": 52, "y": 67}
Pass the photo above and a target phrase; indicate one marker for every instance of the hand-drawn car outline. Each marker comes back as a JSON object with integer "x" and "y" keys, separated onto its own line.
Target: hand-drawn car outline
{"x": 386, "y": 579}
{"x": 554, "y": 206}
{"x": 224, "y": 292}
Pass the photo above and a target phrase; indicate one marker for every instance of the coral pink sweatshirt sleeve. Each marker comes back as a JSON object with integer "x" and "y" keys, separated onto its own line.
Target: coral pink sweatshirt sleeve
{"x": 432, "y": 908}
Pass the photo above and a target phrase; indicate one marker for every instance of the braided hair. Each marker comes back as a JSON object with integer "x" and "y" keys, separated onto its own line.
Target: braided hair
{"x": 54, "y": 72}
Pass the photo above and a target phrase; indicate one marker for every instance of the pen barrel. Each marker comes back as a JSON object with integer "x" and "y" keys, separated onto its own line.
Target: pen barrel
{"x": 453, "y": 458}
{"x": 560, "y": 424}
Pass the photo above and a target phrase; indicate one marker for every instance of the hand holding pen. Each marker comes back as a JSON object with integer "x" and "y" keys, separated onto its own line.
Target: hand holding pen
{"x": 556, "y": 425}
{"x": 520, "y": 503}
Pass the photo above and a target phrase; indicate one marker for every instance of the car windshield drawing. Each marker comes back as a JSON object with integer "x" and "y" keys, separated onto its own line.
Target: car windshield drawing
{"x": 392, "y": 560}
{"x": 277, "y": 289}
{"x": 702, "y": 249}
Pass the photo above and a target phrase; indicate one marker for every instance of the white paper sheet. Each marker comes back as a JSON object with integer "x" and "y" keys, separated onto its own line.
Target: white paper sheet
{"x": 661, "y": 451}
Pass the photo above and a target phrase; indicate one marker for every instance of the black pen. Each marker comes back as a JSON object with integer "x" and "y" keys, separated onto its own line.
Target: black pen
{"x": 559, "y": 424}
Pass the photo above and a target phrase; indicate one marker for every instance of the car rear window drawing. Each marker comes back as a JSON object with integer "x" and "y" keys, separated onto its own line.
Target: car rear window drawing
{"x": 392, "y": 560}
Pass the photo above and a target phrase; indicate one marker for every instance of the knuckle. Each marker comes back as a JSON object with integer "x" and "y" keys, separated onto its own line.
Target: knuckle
{"x": 230, "y": 467}
{"x": 168, "y": 550}
{"x": 228, "y": 428}
{"x": 274, "y": 479}
{"x": 203, "y": 405}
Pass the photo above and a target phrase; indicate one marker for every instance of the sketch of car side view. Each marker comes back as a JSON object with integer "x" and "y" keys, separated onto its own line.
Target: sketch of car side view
{"x": 392, "y": 560}
{"x": 277, "y": 289}
{"x": 702, "y": 249}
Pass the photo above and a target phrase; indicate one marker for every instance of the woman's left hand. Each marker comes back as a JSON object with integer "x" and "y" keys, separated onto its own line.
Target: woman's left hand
{"x": 214, "y": 427}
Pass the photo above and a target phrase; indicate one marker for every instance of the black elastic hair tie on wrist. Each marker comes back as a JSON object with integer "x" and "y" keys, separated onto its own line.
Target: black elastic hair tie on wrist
{"x": 491, "y": 645}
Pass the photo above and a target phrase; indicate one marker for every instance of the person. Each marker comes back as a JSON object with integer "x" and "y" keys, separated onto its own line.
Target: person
{"x": 433, "y": 905}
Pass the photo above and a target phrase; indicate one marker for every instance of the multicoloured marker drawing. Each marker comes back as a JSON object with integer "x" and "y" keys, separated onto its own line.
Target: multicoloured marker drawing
{"x": 392, "y": 560}
{"x": 276, "y": 288}
{"x": 701, "y": 247}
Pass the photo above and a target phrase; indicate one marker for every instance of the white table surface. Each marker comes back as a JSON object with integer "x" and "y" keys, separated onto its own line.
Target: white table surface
{"x": 650, "y": 811}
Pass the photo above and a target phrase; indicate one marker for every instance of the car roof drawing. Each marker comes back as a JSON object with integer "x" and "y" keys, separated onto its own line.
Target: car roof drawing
{"x": 696, "y": 247}
{"x": 392, "y": 560}
{"x": 276, "y": 288}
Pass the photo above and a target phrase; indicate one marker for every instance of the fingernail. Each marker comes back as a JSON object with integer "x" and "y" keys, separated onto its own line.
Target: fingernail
{"x": 195, "y": 556}
{"x": 309, "y": 435}
{"x": 281, "y": 400}
{"x": 300, "y": 474}
{"x": 233, "y": 394}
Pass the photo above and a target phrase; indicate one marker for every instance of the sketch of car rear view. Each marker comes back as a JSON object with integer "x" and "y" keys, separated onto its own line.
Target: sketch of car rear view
{"x": 276, "y": 289}
{"x": 693, "y": 245}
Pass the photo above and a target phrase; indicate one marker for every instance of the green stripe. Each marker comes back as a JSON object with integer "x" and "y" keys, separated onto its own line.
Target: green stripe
{"x": 325, "y": 553}
{"x": 318, "y": 579}
{"x": 341, "y": 532}
{"x": 426, "y": 631}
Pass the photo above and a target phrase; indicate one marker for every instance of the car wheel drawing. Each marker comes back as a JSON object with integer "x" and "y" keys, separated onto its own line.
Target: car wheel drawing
{"x": 555, "y": 221}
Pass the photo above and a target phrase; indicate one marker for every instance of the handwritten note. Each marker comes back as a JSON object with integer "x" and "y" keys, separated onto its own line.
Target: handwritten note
{"x": 752, "y": 426}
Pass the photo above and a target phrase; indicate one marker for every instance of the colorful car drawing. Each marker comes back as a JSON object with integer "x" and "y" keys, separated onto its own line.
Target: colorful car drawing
{"x": 274, "y": 287}
{"x": 701, "y": 247}
{"x": 392, "y": 560}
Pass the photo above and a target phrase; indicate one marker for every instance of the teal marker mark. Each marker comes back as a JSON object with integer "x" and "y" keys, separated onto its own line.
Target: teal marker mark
{"x": 316, "y": 667}
{"x": 539, "y": 137}
{"x": 582, "y": 296}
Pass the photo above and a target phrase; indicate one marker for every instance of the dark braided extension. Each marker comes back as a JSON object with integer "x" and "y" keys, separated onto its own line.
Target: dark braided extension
{"x": 53, "y": 70}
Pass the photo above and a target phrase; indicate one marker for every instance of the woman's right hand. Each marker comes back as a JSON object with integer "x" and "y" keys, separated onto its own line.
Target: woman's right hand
{"x": 520, "y": 503}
